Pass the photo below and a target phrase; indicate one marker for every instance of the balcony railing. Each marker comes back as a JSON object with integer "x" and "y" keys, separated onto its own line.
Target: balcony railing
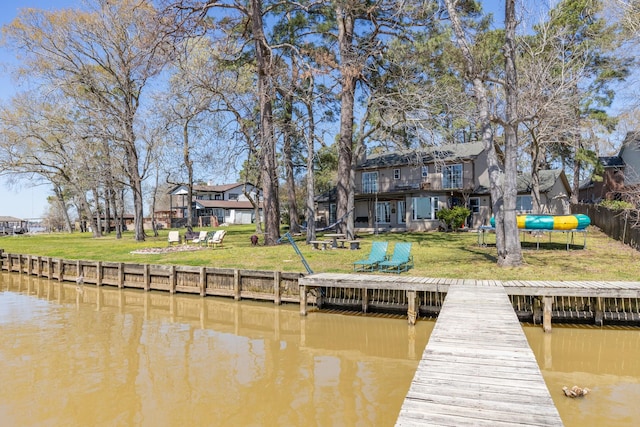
{"x": 401, "y": 186}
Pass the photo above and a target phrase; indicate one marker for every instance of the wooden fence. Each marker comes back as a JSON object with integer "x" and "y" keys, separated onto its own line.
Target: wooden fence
{"x": 615, "y": 224}
{"x": 273, "y": 286}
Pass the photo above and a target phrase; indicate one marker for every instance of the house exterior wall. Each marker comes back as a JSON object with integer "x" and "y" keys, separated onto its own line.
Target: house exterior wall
{"x": 630, "y": 154}
{"x": 556, "y": 200}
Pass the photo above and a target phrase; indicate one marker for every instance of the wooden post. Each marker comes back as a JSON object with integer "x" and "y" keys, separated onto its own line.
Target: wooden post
{"x": 39, "y": 267}
{"x": 276, "y": 288}
{"x": 537, "y": 312}
{"x": 99, "y": 273}
{"x": 60, "y": 270}
{"x": 146, "y": 277}
{"x": 599, "y": 312}
{"x": 365, "y": 300}
{"x": 49, "y": 268}
{"x": 236, "y": 284}
{"x": 412, "y": 312}
{"x": 29, "y": 262}
{"x": 19, "y": 263}
{"x": 546, "y": 316}
{"x": 303, "y": 300}
{"x": 203, "y": 281}
{"x": 78, "y": 270}
{"x": 172, "y": 279}
{"x": 121, "y": 275}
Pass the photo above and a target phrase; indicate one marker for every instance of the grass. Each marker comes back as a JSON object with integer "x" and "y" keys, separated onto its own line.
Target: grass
{"x": 436, "y": 254}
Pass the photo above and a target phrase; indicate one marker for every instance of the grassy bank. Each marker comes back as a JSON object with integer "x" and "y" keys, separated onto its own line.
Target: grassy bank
{"x": 454, "y": 255}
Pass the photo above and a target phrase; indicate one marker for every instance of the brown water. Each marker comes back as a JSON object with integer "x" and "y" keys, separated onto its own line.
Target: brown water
{"x": 605, "y": 360}
{"x": 107, "y": 357}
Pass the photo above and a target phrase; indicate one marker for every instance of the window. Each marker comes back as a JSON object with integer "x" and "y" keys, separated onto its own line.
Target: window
{"x": 425, "y": 171}
{"x": 233, "y": 196}
{"x": 383, "y": 212}
{"x": 332, "y": 213}
{"x": 524, "y": 204}
{"x": 452, "y": 176}
{"x": 402, "y": 212}
{"x": 370, "y": 182}
{"x": 474, "y": 204}
{"x": 424, "y": 208}
{"x": 396, "y": 174}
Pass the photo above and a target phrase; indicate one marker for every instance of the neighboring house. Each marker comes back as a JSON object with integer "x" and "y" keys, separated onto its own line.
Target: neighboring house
{"x": 225, "y": 203}
{"x": 619, "y": 171}
{"x": 403, "y": 191}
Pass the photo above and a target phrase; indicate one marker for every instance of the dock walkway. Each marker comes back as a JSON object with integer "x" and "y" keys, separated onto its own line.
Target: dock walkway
{"x": 478, "y": 368}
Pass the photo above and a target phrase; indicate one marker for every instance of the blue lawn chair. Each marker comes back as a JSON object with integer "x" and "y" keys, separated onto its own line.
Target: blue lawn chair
{"x": 378, "y": 254}
{"x": 401, "y": 259}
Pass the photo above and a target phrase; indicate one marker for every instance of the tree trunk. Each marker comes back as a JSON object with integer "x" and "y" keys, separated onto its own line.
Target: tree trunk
{"x": 267, "y": 137}
{"x": 348, "y": 81}
{"x": 287, "y": 149}
{"x": 311, "y": 185}
{"x": 189, "y": 165}
{"x": 511, "y": 254}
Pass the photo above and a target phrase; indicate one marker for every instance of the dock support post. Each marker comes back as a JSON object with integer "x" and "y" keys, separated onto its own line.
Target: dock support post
{"x": 39, "y": 267}
{"x": 146, "y": 277}
{"x": 78, "y": 270}
{"x": 29, "y": 262}
{"x": 121, "y": 275}
{"x": 236, "y": 284}
{"x": 277, "y": 299}
{"x": 412, "y": 313}
{"x": 546, "y": 316}
{"x": 60, "y": 270}
{"x": 99, "y": 273}
{"x": 365, "y": 300}
{"x": 599, "y": 314}
{"x": 172, "y": 279}
{"x": 203, "y": 281}
{"x": 303, "y": 300}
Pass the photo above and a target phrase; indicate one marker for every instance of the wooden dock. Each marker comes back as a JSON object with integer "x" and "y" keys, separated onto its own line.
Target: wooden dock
{"x": 477, "y": 368}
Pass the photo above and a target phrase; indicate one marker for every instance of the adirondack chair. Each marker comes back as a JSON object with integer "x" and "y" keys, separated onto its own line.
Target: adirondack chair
{"x": 378, "y": 254}
{"x": 200, "y": 239}
{"x": 174, "y": 237}
{"x": 217, "y": 238}
{"x": 401, "y": 259}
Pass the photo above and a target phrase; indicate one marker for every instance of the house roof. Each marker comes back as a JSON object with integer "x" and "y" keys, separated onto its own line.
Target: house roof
{"x": 611, "y": 161}
{"x": 448, "y": 152}
{"x": 209, "y": 188}
{"x": 224, "y": 204}
{"x": 548, "y": 178}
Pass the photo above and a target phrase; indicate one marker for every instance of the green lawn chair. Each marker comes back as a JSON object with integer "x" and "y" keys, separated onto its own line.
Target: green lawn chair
{"x": 378, "y": 254}
{"x": 401, "y": 259}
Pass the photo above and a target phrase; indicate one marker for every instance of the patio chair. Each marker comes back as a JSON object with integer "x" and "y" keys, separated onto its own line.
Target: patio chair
{"x": 174, "y": 237}
{"x": 217, "y": 238}
{"x": 200, "y": 239}
{"x": 378, "y": 254}
{"x": 401, "y": 259}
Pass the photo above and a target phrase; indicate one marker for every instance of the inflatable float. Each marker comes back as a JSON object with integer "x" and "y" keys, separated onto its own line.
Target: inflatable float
{"x": 551, "y": 222}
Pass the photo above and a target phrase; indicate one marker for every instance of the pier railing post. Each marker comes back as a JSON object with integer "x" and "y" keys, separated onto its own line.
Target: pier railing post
{"x": 546, "y": 316}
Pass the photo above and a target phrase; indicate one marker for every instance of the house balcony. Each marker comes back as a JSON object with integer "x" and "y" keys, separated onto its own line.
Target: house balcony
{"x": 412, "y": 186}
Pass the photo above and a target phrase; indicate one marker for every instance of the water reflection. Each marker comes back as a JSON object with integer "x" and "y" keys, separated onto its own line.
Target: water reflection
{"x": 104, "y": 356}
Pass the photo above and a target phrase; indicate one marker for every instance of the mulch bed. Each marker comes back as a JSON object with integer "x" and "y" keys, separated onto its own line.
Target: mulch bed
{"x": 169, "y": 249}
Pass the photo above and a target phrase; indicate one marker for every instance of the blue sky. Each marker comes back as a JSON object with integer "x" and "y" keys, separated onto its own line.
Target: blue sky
{"x": 24, "y": 200}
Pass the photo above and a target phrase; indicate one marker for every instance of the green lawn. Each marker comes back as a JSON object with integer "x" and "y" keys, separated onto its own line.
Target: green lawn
{"x": 436, "y": 254}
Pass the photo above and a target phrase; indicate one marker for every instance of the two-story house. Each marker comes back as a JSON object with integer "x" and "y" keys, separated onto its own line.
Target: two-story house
{"x": 618, "y": 171}
{"x": 403, "y": 191}
{"x": 226, "y": 203}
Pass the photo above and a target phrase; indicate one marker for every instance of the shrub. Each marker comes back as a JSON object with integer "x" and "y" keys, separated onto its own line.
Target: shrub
{"x": 454, "y": 217}
{"x": 616, "y": 205}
